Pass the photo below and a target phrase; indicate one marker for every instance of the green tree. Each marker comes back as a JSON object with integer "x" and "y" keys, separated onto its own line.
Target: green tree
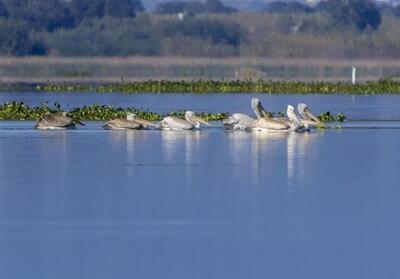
{"x": 288, "y": 7}
{"x": 101, "y": 8}
{"x": 87, "y": 8}
{"x": 14, "y": 38}
{"x": 216, "y": 31}
{"x": 171, "y": 7}
{"x": 361, "y": 13}
{"x": 194, "y": 7}
{"x": 41, "y": 14}
{"x": 3, "y": 10}
{"x": 216, "y": 6}
{"x": 105, "y": 36}
{"x": 119, "y": 8}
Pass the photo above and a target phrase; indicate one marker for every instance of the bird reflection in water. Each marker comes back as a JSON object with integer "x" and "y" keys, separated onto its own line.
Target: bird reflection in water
{"x": 130, "y": 153}
{"x": 129, "y": 138}
{"x": 238, "y": 147}
{"x": 299, "y": 147}
{"x": 174, "y": 142}
{"x": 255, "y": 147}
{"x": 52, "y": 142}
{"x": 264, "y": 146}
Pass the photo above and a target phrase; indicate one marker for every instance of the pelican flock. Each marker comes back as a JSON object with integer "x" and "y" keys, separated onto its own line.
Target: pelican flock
{"x": 263, "y": 121}
{"x": 240, "y": 121}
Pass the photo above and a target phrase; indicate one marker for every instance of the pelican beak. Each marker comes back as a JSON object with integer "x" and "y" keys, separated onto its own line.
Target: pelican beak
{"x": 200, "y": 120}
{"x": 144, "y": 122}
{"x": 78, "y": 122}
{"x": 312, "y": 116}
{"x": 265, "y": 114}
{"x": 262, "y": 110}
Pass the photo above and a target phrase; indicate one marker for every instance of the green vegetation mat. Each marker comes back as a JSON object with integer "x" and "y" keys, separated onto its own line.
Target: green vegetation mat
{"x": 21, "y": 111}
{"x": 210, "y": 86}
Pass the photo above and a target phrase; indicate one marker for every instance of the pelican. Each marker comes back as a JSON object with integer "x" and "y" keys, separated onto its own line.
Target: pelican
{"x": 293, "y": 121}
{"x": 239, "y": 121}
{"x": 190, "y": 122}
{"x": 132, "y": 122}
{"x": 57, "y": 121}
{"x": 308, "y": 119}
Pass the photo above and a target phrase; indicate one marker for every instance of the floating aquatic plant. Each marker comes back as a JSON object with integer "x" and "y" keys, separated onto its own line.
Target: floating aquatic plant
{"x": 21, "y": 111}
{"x": 232, "y": 86}
{"x": 328, "y": 117}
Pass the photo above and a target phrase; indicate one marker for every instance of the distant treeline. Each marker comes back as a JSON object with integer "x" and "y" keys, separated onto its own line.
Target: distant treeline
{"x": 330, "y": 29}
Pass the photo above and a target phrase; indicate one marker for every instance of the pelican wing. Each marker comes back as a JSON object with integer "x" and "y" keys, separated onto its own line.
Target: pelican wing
{"x": 238, "y": 121}
{"x": 57, "y": 120}
{"x": 270, "y": 124}
{"x": 174, "y": 123}
{"x": 122, "y": 124}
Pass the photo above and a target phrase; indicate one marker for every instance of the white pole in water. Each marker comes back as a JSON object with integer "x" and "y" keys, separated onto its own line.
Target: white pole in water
{"x": 353, "y": 75}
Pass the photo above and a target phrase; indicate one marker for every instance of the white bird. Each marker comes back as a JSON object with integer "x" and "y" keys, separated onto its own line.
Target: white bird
{"x": 57, "y": 121}
{"x": 239, "y": 121}
{"x": 293, "y": 121}
{"x": 308, "y": 119}
{"x": 190, "y": 122}
{"x": 132, "y": 122}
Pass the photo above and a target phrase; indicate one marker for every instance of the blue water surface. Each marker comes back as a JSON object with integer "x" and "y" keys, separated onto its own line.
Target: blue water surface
{"x": 90, "y": 203}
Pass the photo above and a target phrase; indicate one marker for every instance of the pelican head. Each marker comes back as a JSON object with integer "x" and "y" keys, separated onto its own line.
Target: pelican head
{"x": 258, "y": 108}
{"x": 196, "y": 121}
{"x": 305, "y": 113}
{"x": 292, "y": 116}
{"x": 290, "y": 111}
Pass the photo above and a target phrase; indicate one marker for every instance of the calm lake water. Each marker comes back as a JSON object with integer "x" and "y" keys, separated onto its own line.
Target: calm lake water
{"x": 90, "y": 203}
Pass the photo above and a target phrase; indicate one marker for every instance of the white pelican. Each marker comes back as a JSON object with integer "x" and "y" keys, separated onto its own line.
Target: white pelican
{"x": 190, "y": 122}
{"x": 132, "y": 122}
{"x": 308, "y": 119}
{"x": 293, "y": 120}
{"x": 57, "y": 121}
{"x": 290, "y": 123}
{"x": 239, "y": 121}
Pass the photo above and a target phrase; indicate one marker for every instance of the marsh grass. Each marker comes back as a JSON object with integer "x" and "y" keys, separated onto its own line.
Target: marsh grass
{"x": 117, "y": 69}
